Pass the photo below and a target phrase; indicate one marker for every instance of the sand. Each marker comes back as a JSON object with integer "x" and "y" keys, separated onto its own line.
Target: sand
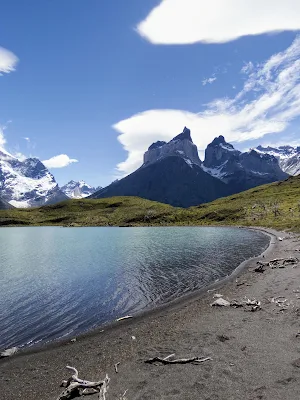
{"x": 255, "y": 355}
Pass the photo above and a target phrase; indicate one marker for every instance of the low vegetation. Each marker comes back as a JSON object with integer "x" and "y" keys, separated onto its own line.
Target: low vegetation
{"x": 275, "y": 205}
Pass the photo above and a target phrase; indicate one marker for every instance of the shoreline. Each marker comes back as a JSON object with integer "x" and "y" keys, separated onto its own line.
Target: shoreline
{"x": 188, "y": 326}
{"x": 174, "y": 303}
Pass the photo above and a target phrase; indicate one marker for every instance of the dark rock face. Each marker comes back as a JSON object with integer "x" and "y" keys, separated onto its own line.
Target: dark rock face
{"x": 218, "y": 152}
{"x": 4, "y": 205}
{"x": 184, "y": 135}
{"x": 241, "y": 171}
{"x": 181, "y": 146}
{"x": 156, "y": 145}
{"x": 170, "y": 180}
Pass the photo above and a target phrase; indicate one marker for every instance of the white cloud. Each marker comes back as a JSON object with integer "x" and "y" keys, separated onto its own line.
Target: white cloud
{"x": 27, "y": 139}
{"x": 2, "y": 138}
{"x": 268, "y": 102}
{"x": 247, "y": 68}
{"x": 217, "y": 21}
{"x": 20, "y": 156}
{"x": 59, "y": 161}
{"x": 209, "y": 80}
{"x": 8, "y": 61}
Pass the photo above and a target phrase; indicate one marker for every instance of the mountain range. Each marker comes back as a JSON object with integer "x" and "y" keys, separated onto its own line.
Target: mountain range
{"x": 78, "y": 190}
{"x": 287, "y": 156}
{"x": 172, "y": 173}
{"x": 29, "y": 183}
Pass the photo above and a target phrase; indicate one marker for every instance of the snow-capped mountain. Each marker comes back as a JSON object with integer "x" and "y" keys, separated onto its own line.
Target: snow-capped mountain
{"x": 27, "y": 183}
{"x": 240, "y": 170}
{"x": 78, "y": 190}
{"x": 288, "y": 157}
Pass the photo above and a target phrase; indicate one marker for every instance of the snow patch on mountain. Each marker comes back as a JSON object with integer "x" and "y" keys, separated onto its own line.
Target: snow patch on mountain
{"x": 287, "y": 156}
{"x": 218, "y": 172}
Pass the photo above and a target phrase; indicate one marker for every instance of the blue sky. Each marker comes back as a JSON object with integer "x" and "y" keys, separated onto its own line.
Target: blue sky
{"x": 99, "y": 81}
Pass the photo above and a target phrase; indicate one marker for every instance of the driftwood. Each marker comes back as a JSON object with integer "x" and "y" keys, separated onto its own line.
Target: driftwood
{"x": 260, "y": 267}
{"x": 76, "y": 387}
{"x": 122, "y": 318}
{"x": 116, "y": 366}
{"x": 123, "y": 396}
{"x": 276, "y": 263}
{"x": 254, "y": 304}
{"x": 168, "y": 360}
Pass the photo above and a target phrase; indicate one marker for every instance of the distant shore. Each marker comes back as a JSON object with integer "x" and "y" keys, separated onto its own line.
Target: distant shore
{"x": 253, "y": 353}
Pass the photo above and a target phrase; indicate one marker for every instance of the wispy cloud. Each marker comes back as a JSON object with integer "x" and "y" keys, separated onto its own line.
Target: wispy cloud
{"x": 247, "y": 68}
{"x": 20, "y": 156}
{"x": 59, "y": 161}
{"x": 209, "y": 81}
{"x": 8, "y": 61}
{"x": 27, "y": 139}
{"x": 2, "y": 138}
{"x": 217, "y": 21}
{"x": 267, "y": 103}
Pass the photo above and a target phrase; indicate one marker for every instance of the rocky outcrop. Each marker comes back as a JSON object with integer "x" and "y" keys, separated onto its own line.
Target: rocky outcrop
{"x": 181, "y": 146}
{"x": 239, "y": 170}
{"x": 219, "y": 152}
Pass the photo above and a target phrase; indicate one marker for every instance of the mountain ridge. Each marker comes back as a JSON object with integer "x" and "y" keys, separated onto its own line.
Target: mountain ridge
{"x": 224, "y": 171}
{"x": 288, "y": 157}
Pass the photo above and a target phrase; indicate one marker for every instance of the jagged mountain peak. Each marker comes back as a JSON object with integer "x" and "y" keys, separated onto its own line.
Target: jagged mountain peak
{"x": 180, "y": 146}
{"x": 218, "y": 140}
{"x": 184, "y": 135}
{"x": 221, "y": 142}
{"x": 219, "y": 152}
{"x": 241, "y": 170}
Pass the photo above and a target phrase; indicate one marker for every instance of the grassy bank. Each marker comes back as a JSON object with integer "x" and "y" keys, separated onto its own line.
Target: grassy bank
{"x": 275, "y": 205}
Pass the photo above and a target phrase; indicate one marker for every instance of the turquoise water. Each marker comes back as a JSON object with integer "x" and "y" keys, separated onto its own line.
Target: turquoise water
{"x": 57, "y": 282}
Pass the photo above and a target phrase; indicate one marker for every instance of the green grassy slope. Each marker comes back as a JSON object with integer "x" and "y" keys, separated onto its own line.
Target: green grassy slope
{"x": 275, "y": 205}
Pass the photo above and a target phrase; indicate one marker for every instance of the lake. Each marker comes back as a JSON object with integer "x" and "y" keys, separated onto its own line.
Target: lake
{"x": 57, "y": 282}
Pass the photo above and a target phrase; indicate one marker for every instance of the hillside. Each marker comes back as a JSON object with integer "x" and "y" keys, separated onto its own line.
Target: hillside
{"x": 274, "y": 205}
{"x": 4, "y": 205}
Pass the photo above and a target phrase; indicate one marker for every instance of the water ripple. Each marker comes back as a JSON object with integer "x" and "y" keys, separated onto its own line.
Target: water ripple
{"x": 59, "y": 282}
